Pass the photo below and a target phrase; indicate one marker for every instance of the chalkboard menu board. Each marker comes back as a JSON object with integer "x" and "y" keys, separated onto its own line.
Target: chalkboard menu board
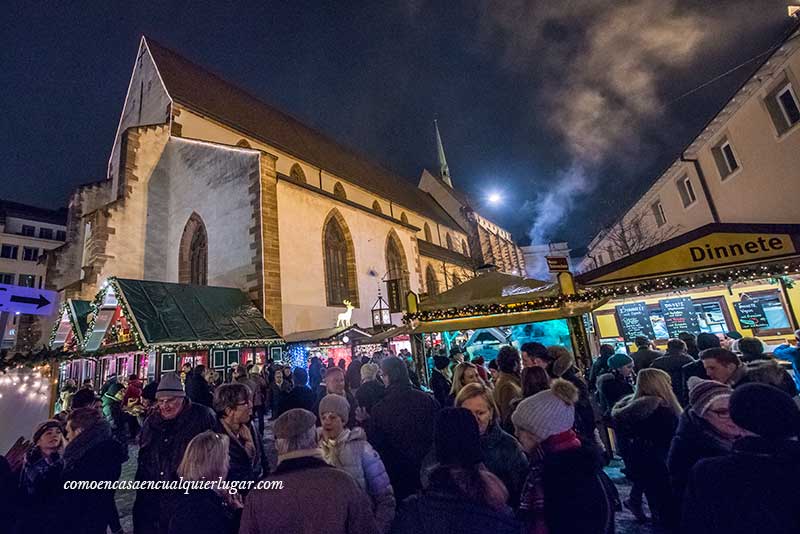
{"x": 679, "y": 315}
{"x": 635, "y": 320}
{"x": 751, "y": 314}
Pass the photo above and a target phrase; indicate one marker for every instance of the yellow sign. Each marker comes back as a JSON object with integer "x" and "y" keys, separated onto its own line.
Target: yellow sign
{"x": 713, "y": 250}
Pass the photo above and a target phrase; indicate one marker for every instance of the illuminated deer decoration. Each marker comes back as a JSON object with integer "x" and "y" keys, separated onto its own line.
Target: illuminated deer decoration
{"x": 343, "y": 318}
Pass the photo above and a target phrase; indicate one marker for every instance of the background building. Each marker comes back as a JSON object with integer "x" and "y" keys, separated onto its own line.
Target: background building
{"x": 535, "y": 262}
{"x": 26, "y": 233}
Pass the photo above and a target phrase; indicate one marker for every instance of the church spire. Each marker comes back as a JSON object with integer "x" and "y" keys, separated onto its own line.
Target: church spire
{"x": 444, "y": 170}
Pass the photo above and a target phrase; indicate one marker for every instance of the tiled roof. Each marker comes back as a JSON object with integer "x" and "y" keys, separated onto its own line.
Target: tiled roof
{"x": 198, "y": 89}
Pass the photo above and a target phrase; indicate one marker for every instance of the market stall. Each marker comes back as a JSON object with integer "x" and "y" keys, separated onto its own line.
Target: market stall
{"x": 715, "y": 279}
{"x": 508, "y": 308}
{"x": 149, "y": 328}
{"x": 339, "y": 343}
{"x": 67, "y": 338}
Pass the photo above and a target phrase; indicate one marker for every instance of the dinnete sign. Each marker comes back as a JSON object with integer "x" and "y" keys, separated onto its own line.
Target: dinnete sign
{"x": 714, "y": 245}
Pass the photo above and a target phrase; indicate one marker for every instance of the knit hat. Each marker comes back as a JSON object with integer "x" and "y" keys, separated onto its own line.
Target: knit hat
{"x": 619, "y": 360}
{"x": 765, "y": 410}
{"x": 369, "y": 371}
{"x": 441, "y": 362}
{"x": 704, "y": 392}
{"x": 41, "y": 428}
{"x": 114, "y": 389}
{"x": 549, "y": 412}
{"x": 456, "y": 438}
{"x": 336, "y": 404}
{"x": 170, "y": 386}
{"x": 294, "y": 423}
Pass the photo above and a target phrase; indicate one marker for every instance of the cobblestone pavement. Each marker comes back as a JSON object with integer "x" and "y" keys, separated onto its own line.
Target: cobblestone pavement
{"x": 625, "y": 522}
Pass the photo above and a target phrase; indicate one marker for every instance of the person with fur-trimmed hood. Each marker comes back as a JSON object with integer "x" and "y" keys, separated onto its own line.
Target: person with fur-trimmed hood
{"x": 645, "y": 423}
{"x": 562, "y": 471}
{"x": 349, "y": 450}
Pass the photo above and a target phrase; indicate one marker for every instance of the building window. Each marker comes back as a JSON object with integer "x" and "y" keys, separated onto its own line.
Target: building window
{"x": 7, "y": 278}
{"x": 725, "y": 159}
{"x": 193, "y": 253}
{"x": 30, "y": 254}
{"x": 46, "y": 233}
{"x": 396, "y": 268}
{"x": 431, "y": 283}
{"x": 658, "y": 213}
{"x": 338, "y": 191}
{"x": 404, "y": 218}
{"x": 297, "y": 174}
{"x": 783, "y": 107}
{"x": 456, "y": 280}
{"x": 449, "y": 241}
{"x": 464, "y": 247}
{"x": 9, "y": 252}
{"x": 61, "y": 235}
{"x": 29, "y": 231}
{"x": 27, "y": 280}
{"x": 376, "y": 207}
{"x": 242, "y": 143}
{"x": 611, "y": 255}
{"x": 428, "y": 237}
{"x": 686, "y": 190}
{"x": 340, "y": 272}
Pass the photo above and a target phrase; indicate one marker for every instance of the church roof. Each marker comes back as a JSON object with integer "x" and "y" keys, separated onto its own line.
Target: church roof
{"x": 200, "y": 90}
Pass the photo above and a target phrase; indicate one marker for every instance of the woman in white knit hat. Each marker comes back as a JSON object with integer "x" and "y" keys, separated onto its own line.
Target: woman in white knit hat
{"x": 563, "y": 492}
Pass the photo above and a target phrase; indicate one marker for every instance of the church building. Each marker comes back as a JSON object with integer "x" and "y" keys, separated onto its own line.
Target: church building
{"x": 208, "y": 185}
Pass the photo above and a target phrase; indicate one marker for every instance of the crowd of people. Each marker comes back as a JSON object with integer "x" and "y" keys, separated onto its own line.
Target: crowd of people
{"x": 705, "y": 429}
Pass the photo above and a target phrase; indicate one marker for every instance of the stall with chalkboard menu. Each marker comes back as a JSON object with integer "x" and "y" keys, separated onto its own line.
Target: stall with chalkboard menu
{"x": 669, "y": 288}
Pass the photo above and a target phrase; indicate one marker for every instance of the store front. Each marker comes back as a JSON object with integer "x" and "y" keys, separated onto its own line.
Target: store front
{"x": 717, "y": 279}
{"x": 341, "y": 343}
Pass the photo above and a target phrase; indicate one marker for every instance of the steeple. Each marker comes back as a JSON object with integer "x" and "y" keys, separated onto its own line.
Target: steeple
{"x": 444, "y": 170}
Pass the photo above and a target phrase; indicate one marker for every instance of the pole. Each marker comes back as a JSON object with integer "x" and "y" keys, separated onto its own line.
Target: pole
{"x": 785, "y": 292}
{"x": 577, "y": 330}
{"x": 418, "y": 353}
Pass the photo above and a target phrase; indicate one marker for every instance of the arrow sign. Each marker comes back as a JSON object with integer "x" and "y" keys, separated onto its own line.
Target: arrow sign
{"x": 27, "y": 300}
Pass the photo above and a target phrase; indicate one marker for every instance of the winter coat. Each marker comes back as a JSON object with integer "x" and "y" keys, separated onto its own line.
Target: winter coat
{"x": 401, "y": 430}
{"x": 259, "y": 390}
{"x": 9, "y": 496}
{"x": 503, "y": 456}
{"x": 242, "y": 467}
{"x": 203, "y": 512}
{"x": 94, "y": 455}
{"x": 790, "y": 354}
{"x": 133, "y": 392}
{"x": 694, "y": 368}
{"x": 599, "y": 368}
{"x": 611, "y": 387}
{"x": 570, "y": 477}
{"x": 767, "y": 371}
{"x": 507, "y": 388}
{"x": 672, "y": 363}
{"x": 162, "y": 445}
{"x": 40, "y": 488}
{"x": 113, "y": 414}
{"x": 442, "y": 509}
{"x": 369, "y": 393}
{"x": 643, "y": 358}
{"x": 352, "y": 452}
{"x": 440, "y": 386}
{"x": 694, "y": 440}
{"x": 353, "y": 375}
{"x": 585, "y": 420}
{"x": 745, "y": 492}
{"x": 315, "y": 498}
{"x": 645, "y": 427}
{"x": 298, "y": 397}
{"x": 198, "y": 390}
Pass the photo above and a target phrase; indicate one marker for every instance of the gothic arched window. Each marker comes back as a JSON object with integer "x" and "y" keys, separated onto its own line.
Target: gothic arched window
{"x": 449, "y": 242}
{"x": 404, "y": 218}
{"x": 396, "y": 262}
{"x": 339, "y": 255}
{"x": 464, "y": 247}
{"x": 242, "y": 143}
{"x": 296, "y": 173}
{"x": 193, "y": 253}
{"x": 376, "y": 207}
{"x": 431, "y": 283}
{"x": 428, "y": 237}
{"x": 338, "y": 191}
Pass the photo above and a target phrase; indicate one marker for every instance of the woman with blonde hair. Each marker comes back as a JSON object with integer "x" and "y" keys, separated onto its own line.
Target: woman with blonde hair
{"x": 502, "y": 453}
{"x": 645, "y": 423}
{"x": 464, "y": 373}
{"x": 206, "y": 510}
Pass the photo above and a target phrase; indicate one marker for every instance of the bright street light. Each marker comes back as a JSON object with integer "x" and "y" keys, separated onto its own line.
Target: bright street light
{"x": 495, "y": 198}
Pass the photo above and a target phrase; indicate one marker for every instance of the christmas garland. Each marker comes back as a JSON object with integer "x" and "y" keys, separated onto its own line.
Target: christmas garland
{"x": 656, "y": 285}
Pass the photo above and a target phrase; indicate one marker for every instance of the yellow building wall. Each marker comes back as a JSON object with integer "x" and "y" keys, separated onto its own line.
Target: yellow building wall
{"x": 607, "y": 323}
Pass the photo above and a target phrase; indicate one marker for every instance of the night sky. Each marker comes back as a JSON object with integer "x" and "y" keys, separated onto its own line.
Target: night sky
{"x": 569, "y": 108}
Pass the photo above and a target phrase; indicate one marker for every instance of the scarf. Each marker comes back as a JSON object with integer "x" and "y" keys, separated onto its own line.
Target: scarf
{"x": 564, "y": 441}
{"x": 244, "y": 437}
{"x": 85, "y": 442}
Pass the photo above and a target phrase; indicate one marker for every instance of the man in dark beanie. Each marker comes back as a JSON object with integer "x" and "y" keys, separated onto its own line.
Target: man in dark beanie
{"x": 440, "y": 383}
{"x": 163, "y": 440}
{"x": 750, "y": 490}
{"x": 401, "y": 427}
{"x": 462, "y": 496}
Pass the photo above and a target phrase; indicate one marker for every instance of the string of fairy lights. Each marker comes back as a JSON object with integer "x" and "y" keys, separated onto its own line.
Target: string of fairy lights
{"x": 32, "y": 384}
{"x": 656, "y": 285}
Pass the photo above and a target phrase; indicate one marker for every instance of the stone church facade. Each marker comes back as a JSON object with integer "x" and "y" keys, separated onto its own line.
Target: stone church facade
{"x": 208, "y": 185}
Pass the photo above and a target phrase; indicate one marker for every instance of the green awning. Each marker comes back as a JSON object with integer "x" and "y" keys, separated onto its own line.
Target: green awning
{"x": 166, "y": 314}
